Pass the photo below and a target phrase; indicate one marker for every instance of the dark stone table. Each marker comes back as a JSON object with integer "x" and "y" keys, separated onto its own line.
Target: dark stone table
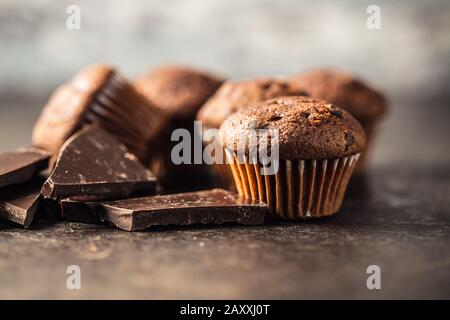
{"x": 397, "y": 218}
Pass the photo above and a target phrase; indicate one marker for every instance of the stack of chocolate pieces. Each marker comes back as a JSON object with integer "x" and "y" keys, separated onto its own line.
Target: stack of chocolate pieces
{"x": 90, "y": 171}
{"x": 201, "y": 207}
{"x": 21, "y": 183}
{"x": 96, "y": 179}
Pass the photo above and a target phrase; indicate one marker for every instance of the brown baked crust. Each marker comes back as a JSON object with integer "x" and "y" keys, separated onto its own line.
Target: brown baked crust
{"x": 100, "y": 95}
{"x": 92, "y": 79}
{"x": 178, "y": 90}
{"x": 350, "y": 93}
{"x": 62, "y": 115}
{"x": 308, "y": 128}
{"x": 236, "y": 95}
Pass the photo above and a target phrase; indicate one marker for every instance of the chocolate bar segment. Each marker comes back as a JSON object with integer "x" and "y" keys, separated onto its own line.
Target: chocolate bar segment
{"x": 80, "y": 210}
{"x": 93, "y": 163}
{"x": 20, "y": 165}
{"x": 19, "y": 202}
{"x": 202, "y": 207}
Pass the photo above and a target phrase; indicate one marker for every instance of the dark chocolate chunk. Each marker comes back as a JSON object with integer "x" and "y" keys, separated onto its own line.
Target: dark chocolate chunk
{"x": 80, "y": 210}
{"x": 208, "y": 206}
{"x": 93, "y": 163}
{"x": 49, "y": 210}
{"x": 20, "y": 165}
{"x": 19, "y": 202}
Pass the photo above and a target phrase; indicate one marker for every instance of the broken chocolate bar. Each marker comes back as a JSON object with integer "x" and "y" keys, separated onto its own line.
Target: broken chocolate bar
{"x": 19, "y": 202}
{"x": 201, "y": 207}
{"x": 80, "y": 209}
{"x": 20, "y": 165}
{"x": 93, "y": 163}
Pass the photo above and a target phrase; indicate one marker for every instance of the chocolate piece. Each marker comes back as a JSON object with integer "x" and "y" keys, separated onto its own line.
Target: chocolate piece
{"x": 49, "y": 210}
{"x": 208, "y": 206}
{"x": 92, "y": 163}
{"x": 18, "y": 203}
{"x": 20, "y": 165}
{"x": 80, "y": 210}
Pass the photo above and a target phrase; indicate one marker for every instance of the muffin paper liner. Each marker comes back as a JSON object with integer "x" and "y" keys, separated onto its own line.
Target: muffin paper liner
{"x": 223, "y": 171}
{"x": 300, "y": 189}
{"x": 121, "y": 110}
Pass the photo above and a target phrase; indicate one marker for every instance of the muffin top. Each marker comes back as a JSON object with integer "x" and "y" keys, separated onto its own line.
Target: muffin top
{"x": 64, "y": 110}
{"x": 307, "y": 128}
{"x": 92, "y": 78}
{"x": 178, "y": 90}
{"x": 236, "y": 95}
{"x": 344, "y": 90}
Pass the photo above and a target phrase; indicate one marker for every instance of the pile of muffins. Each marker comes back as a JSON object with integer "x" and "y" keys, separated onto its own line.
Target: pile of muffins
{"x": 326, "y": 122}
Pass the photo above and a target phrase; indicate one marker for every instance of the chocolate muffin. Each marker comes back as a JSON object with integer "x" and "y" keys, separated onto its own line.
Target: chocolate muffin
{"x": 318, "y": 146}
{"x": 99, "y": 94}
{"x": 236, "y": 95}
{"x": 365, "y": 103}
{"x": 179, "y": 92}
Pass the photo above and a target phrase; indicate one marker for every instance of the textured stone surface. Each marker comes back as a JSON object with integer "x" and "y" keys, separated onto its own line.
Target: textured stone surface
{"x": 396, "y": 218}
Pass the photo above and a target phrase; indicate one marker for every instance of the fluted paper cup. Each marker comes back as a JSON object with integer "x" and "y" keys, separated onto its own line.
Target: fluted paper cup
{"x": 121, "y": 110}
{"x": 301, "y": 189}
{"x": 222, "y": 171}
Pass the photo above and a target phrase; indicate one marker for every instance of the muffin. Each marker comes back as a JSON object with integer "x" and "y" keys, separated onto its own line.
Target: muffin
{"x": 318, "y": 147}
{"x": 99, "y": 94}
{"x": 179, "y": 92}
{"x": 362, "y": 101}
{"x": 236, "y": 95}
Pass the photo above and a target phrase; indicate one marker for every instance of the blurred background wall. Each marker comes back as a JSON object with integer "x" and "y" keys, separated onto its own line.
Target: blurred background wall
{"x": 408, "y": 57}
